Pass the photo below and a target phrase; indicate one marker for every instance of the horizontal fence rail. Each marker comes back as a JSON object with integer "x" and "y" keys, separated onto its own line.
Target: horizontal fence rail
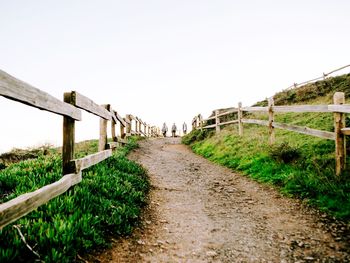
{"x": 338, "y": 109}
{"x": 20, "y": 91}
{"x": 70, "y": 108}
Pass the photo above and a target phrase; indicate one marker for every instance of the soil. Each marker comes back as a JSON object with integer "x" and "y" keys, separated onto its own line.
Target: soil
{"x": 201, "y": 212}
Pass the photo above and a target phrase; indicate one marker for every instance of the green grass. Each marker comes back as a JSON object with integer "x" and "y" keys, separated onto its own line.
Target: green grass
{"x": 299, "y": 165}
{"x": 106, "y": 203}
{"x": 310, "y": 175}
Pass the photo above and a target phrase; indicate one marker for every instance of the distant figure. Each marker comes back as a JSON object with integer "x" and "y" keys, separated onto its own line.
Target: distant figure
{"x": 173, "y": 130}
{"x": 184, "y": 128}
{"x": 164, "y": 129}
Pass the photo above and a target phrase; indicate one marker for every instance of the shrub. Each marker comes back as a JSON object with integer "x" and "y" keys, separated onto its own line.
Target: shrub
{"x": 197, "y": 135}
{"x": 284, "y": 153}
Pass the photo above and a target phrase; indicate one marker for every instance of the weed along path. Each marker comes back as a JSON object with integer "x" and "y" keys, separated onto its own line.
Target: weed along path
{"x": 201, "y": 212}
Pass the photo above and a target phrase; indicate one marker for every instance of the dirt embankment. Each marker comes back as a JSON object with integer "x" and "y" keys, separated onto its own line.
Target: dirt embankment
{"x": 201, "y": 212}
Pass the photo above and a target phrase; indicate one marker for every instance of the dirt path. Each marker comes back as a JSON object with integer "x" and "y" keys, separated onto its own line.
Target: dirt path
{"x": 201, "y": 212}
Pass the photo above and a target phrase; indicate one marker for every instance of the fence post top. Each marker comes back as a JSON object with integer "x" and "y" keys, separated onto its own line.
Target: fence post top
{"x": 339, "y": 98}
{"x": 270, "y": 101}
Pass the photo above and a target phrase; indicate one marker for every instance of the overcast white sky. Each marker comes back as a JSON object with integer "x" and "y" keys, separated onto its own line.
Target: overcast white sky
{"x": 162, "y": 60}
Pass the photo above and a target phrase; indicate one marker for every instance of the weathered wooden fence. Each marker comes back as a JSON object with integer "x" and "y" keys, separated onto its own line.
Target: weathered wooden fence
{"x": 70, "y": 108}
{"x": 338, "y": 108}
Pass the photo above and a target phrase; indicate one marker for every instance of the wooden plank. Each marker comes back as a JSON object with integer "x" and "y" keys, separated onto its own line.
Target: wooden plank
{"x": 228, "y": 112}
{"x": 120, "y": 118}
{"x": 228, "y": 122}
{"x": 344, "y": 108}
{"x": 113, "y": 117}
{"x": 265, "y": 109}
{"x": 17, "y": 90}
{"x": 85, "y": 103}
{"x": 209, "y": 126}
{"x": 305, "y": 130}
{"x": 68, "y": 138}
{"x": 23, "y": 204}
{"x": 91, "y": 160}
{"x": 345, "y": 131}
{"x": 127, "y": 121}
{"x": 301, "y": 108}
{"x": 253, "y": 121}
{"x": 210, "y": 118}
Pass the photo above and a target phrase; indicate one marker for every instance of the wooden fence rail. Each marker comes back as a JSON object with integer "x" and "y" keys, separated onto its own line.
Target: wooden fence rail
{"x": 339, "y": 108}
{"x": 70, "y": 108}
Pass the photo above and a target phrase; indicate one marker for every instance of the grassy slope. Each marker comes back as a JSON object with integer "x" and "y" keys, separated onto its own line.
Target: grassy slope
{"x": 300, "y": 165}
{"x": 107, "y": 202}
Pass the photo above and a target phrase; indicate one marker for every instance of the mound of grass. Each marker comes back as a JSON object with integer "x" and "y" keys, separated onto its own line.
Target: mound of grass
{"x": 300, "y": 165}
{"x": 106, "y": 203}
{"x": 312, "y": 91}
{"x": 18, "y": 155}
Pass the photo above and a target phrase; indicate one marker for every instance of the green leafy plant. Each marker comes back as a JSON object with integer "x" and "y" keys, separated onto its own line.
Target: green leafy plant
{"x": 106, "y": 203}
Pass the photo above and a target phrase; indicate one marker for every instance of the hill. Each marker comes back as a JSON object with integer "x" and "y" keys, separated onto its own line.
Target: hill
{"x": 299, "y": 165}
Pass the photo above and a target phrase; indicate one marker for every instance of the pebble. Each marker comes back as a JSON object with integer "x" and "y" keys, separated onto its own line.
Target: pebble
{"x": 309, "y": 258}
{"x": 141, "y": 242}
{"x": 211, "y": 253}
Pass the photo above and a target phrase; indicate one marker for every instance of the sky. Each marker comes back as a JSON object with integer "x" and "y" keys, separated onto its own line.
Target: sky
{"x": 161, "y": 60}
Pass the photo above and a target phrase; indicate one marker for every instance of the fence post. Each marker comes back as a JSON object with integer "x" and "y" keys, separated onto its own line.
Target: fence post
{"x": 339, "y": 123}
{"x": 68, "y": 137}
{"x": 113, "y": 124}
{"x": 140, "y": 127}
{"x": 128, "y": 124}
{"x": 136, "y": 126}
{"x": 122, "y": 129}
{"x": 200, "y": 118}
{"x": 217, "y": 121}
{"x": 271, "y": 103}
{"x": 240, "y": 124}
{"x": 103, "y": 132}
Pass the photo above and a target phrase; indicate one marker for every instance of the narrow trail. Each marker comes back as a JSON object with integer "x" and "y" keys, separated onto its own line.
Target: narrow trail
{"x": 201, "y": 212}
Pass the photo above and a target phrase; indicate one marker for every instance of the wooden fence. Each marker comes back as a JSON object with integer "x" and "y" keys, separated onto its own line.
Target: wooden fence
{"x": 338, "y": 108}
{"x": 70, "y": 108}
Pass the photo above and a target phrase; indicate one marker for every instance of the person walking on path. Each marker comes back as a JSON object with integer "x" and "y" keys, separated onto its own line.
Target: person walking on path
{"x": 164, "y": 129}
{"x": 173, "y": 130}
{"x": 184, "y": 128}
